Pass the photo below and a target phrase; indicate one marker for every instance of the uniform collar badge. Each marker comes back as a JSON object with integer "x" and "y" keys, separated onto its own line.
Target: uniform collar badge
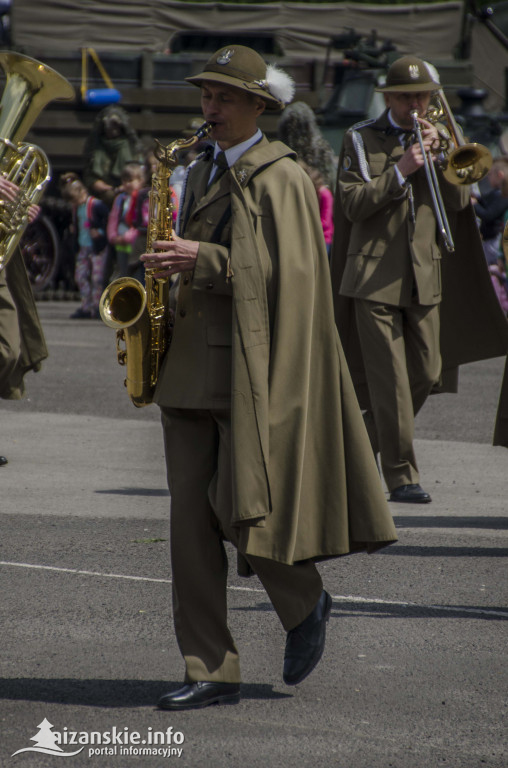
{"x": 241, "y": 175}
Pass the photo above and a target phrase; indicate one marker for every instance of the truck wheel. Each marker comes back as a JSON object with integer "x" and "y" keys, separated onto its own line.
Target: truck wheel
{"x": 39, "y": 246}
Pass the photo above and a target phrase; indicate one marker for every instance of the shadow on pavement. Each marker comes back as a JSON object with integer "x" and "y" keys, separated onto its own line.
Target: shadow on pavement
{"x": 399, "y": 549}
{"x": 134, "y": 491}
{"x": 343, "y": 607}
{"x": 490, "y": 523}
{"x": 108, "y": 693}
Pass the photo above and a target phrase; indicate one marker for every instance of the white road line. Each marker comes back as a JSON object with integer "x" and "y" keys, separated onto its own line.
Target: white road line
{"x": 337, "y": 598}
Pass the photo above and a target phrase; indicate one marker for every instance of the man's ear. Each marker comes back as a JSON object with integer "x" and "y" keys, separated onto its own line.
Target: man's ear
{"x": 260, "y": 106}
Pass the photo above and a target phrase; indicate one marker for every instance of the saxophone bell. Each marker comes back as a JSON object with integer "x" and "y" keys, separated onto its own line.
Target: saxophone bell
{"x": 122, "y": 303}
{"x": 123, "y": 307}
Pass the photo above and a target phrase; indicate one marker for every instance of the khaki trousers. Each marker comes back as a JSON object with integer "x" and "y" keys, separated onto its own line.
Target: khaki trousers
{"x": 400, "y": 349}
{"x": 10, "y": 343}
{"x": 198, "y": 451}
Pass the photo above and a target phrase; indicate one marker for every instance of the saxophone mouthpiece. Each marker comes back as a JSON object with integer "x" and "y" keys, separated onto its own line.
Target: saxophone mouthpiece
{"x": 203, "y": 130}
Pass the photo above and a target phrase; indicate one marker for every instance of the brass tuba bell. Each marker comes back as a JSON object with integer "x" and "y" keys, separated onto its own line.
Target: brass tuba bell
{"x": 30, "y": 85}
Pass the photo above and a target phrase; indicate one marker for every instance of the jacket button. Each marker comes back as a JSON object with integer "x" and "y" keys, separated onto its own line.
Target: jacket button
{"x": 209, "y": 286}
{"x": 186, "y": 281}
{"x": 182, "y": 313}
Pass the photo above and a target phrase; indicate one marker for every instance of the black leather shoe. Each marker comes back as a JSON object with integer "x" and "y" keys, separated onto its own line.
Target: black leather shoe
{"x": 3, "y": 461}
{"x": 305, "y": 643}
{"x": 197, "y": 695}
{"x": 410, "y": 494}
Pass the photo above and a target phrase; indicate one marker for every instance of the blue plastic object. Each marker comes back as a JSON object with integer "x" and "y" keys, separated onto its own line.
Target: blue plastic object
{"x": 101, "y": 97}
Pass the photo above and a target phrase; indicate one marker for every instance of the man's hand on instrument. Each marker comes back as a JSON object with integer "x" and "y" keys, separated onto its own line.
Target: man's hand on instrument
{"x": 412, "y": 159}
{"x": 172, "y": 256}
{"x": 8, "y": 190}
{"x": 33, "y": 212}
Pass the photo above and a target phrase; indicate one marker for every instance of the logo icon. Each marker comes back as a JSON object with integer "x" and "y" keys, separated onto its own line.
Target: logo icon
{"x": 47, "y": 742}
{"x": 414, "y": 72}
{"x": 225, "y": 56}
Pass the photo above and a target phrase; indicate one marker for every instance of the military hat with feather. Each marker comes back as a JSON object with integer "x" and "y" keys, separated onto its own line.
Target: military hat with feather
{"x": 242, "y": 67}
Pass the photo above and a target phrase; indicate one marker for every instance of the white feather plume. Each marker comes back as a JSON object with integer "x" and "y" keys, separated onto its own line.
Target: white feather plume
{"x": 433, "y": 73}
{"x": 279, "y": 84}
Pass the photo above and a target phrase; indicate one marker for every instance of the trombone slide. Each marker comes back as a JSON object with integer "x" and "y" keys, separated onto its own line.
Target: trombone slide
{"x": 435, "y": 192}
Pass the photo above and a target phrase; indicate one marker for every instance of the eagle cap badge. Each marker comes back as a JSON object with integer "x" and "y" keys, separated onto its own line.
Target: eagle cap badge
{"x": 226, "y": 56}
{"x": 414, "y": 72}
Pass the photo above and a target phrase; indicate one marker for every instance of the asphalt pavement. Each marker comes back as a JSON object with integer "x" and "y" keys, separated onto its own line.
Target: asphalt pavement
{"x": 414, "y": 670}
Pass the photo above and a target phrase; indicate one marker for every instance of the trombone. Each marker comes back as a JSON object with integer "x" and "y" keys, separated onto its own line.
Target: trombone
{"x": 433, "y": 184}
{"x": 466, "y": 163}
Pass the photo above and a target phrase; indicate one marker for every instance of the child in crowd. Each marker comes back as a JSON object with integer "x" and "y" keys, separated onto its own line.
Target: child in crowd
{"x": 122, "y": 231}
{"x": 491, "y": 208}
{"x": 141, "y": 218}
{"x": 90, "y": 217}
{"x": 325, "y": 200}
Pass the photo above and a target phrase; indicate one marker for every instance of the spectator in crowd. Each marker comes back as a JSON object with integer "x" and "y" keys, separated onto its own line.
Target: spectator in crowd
{"x": 89, "y": 226}
{"x": 111, "y": 144}
{"x": 298, "y": 129}
{"x": 141, "y": 217}
{"x": 122, "y": 230}
{"x": 325, "y": 200}
{"x": 491, "y": 208}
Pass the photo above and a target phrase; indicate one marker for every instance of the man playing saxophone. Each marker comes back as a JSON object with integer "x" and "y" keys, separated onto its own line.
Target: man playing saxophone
{"x": 389, "y": 276}
{"x": 265, "y": 443}
{"x": 22, "y": 344}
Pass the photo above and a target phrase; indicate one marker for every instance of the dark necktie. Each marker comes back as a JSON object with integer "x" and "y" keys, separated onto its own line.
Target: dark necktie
{"x": 222, "y": 166}
{"x": 407, "y": 135}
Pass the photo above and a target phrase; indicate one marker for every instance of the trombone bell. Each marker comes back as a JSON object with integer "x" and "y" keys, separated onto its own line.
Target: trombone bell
{"x": 467, "y": 164}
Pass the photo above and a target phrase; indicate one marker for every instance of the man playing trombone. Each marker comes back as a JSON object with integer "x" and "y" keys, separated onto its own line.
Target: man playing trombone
{"x": 387, "y": 259}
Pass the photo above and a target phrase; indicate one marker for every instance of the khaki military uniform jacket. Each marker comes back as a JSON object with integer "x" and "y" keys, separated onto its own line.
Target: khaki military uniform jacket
{"x": 377, "y": 259}
{"x": 393, "y": 246}
{"x": 258, "y": 308}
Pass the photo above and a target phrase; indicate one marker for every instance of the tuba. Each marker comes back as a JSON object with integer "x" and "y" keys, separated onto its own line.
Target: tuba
{"x": 29, "y": 86}
{"x": 141, "y": 315}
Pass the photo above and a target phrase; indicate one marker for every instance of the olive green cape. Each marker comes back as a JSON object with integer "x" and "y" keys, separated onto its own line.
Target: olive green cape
{"x": 305, "y": 482}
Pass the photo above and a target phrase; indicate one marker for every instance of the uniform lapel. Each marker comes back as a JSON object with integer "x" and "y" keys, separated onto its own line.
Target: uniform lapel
{"x": 390, "y": 142}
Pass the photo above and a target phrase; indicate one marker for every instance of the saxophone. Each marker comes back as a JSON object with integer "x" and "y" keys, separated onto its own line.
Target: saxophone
{"x": 141, "y": 315}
